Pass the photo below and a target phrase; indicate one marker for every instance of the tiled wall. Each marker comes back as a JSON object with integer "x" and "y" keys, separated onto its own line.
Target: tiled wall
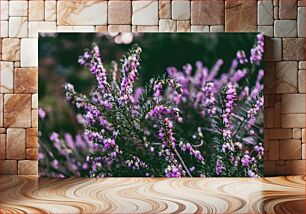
{"x": 284, "y": 20}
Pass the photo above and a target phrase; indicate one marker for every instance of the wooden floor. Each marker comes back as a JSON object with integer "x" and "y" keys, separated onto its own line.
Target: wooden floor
{"x": 139, "y": 195}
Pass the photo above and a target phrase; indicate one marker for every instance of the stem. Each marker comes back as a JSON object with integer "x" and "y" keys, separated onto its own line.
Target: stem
{"x": 199, "y": 145}
{"x": 183, "y": 163}
{"x": 238, "y": 129}
{"x": 241, "y": 119}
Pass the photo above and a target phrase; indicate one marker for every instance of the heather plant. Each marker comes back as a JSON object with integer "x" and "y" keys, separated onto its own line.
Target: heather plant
{"x": 62, "y": 155}
{"x": 195, "y": 122}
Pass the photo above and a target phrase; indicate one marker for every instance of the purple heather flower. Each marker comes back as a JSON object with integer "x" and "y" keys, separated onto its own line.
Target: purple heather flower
{"x": 219, "y": 167}
{"x": 157, "y": 89}
{"x": 54, "y": 137}
{"x": 93, "y": 115}
{"x": 134, "y": 99}
{"x": 180, "y": 119}
{"x": 230, "y": 97}
{"x": 152, "y": 149}
{"x": 54, "y": 164}
{"x": 195, "y": 153}
{"x": 41, "y": 113}
{"x": 227, "y": 134}
{"x": 256, "y": 108}
{"x": 208, "y": 100}
{"x": 257, "y": 51}
{"x": 241, "y": 57}
{"x": 69, "y": 90}
{"x": 236, "y": 77}
{"x": 160, "y": 111}
{"x": 167, "y": 131}
{"x": 92, "y": 61}
{"x": 260, "y": 75}
{"x": 228, "y": 147}
{"x": 85, "y": 165}
{"x": 191, "y": 169}
{"x": 69, "y": 140}
{"x": 233, "y": 67}
{"x": 173, "y": 171}
{"x": 245, "y": 92}
{"x": 176, "y": 86}
{"x": 201, "y": 74}
{"x": 172, "y": 71}
{"x": 108, "y": 143}
{"x": 82, "y": 141}
{"x": 214, "y": 71}
{"x": 251, "y": 122}
{"x": 41, "y": 156}
{"x": 224, "y": 147}
{"x": 258, "y": 86}
{"x": 187, "y": 69}
{"x": 135, "y": 163}
{"x": 161, "y": 135}
{"x": 105, "y": 99}
{"x": 129, "y": 74}
{"x": 105, "y": 143}
{"x": 93, "y": 136}
{"x": 246, "y": 159}
{"x": 259, "y": 149}
{"x": 114, "y": 154}
{"x": 251, "y": 174}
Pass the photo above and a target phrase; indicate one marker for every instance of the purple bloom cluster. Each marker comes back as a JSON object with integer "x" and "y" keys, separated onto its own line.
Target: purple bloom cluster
{"x": 42, "y": 113}
{"x": 166, "y": 133}
{"x": 251, "y": 174}
{"x": 173, "y": 171}
{"x": 157, "y": 89}
{"x": 259, "y": 150}
{"x": 237, "y": 76}
{"x": 256, "y": 108}
{"x": 92, "y": 61}
{"x": 135, "y": 163}
{"x": 258, "y": 50}
{"x": 258, "y": 86}
{"x": 241, "y": 57}
{"x": 196, "y": 90}
{"x": 228, "y": 147}
{"x": 159, "y": 111}
{"x": 69, "y": 159}
{"x": 209, "y": 100}
{"x": 219, "y": 167}
{"x": 54, "y": 137}
{"x": 176, "y": 88}
{"x": 93, "y": 115}
{"x": 249, "y": 162}
{"x": 69, "y": 90}
{"x": 230, "y": 97}
{"x": 129, "y": 74}
{"x": 246, "y": 159}
{"x": 196, "y": 153}
{"x": 103, "y": 100}
{"x": 107, "y": 143}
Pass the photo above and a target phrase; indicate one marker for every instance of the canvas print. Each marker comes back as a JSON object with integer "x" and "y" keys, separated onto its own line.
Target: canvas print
{"x": 151, "y": 105}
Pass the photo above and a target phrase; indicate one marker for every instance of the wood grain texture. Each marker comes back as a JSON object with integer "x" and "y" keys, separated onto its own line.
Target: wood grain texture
{"x": 147, "y": 195}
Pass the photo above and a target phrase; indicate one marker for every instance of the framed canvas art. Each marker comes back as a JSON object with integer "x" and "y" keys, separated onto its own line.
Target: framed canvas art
{"x": 151, "y": 105}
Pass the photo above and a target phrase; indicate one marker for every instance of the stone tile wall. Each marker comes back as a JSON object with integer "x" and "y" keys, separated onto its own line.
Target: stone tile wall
{"x": 283, "y": 20}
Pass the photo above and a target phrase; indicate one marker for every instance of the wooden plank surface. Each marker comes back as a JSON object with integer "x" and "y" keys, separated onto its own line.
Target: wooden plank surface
{"x": 152, "y": 195}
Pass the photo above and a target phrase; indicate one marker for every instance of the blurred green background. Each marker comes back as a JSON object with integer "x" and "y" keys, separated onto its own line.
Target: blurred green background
{"x": 58, "y": 56}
